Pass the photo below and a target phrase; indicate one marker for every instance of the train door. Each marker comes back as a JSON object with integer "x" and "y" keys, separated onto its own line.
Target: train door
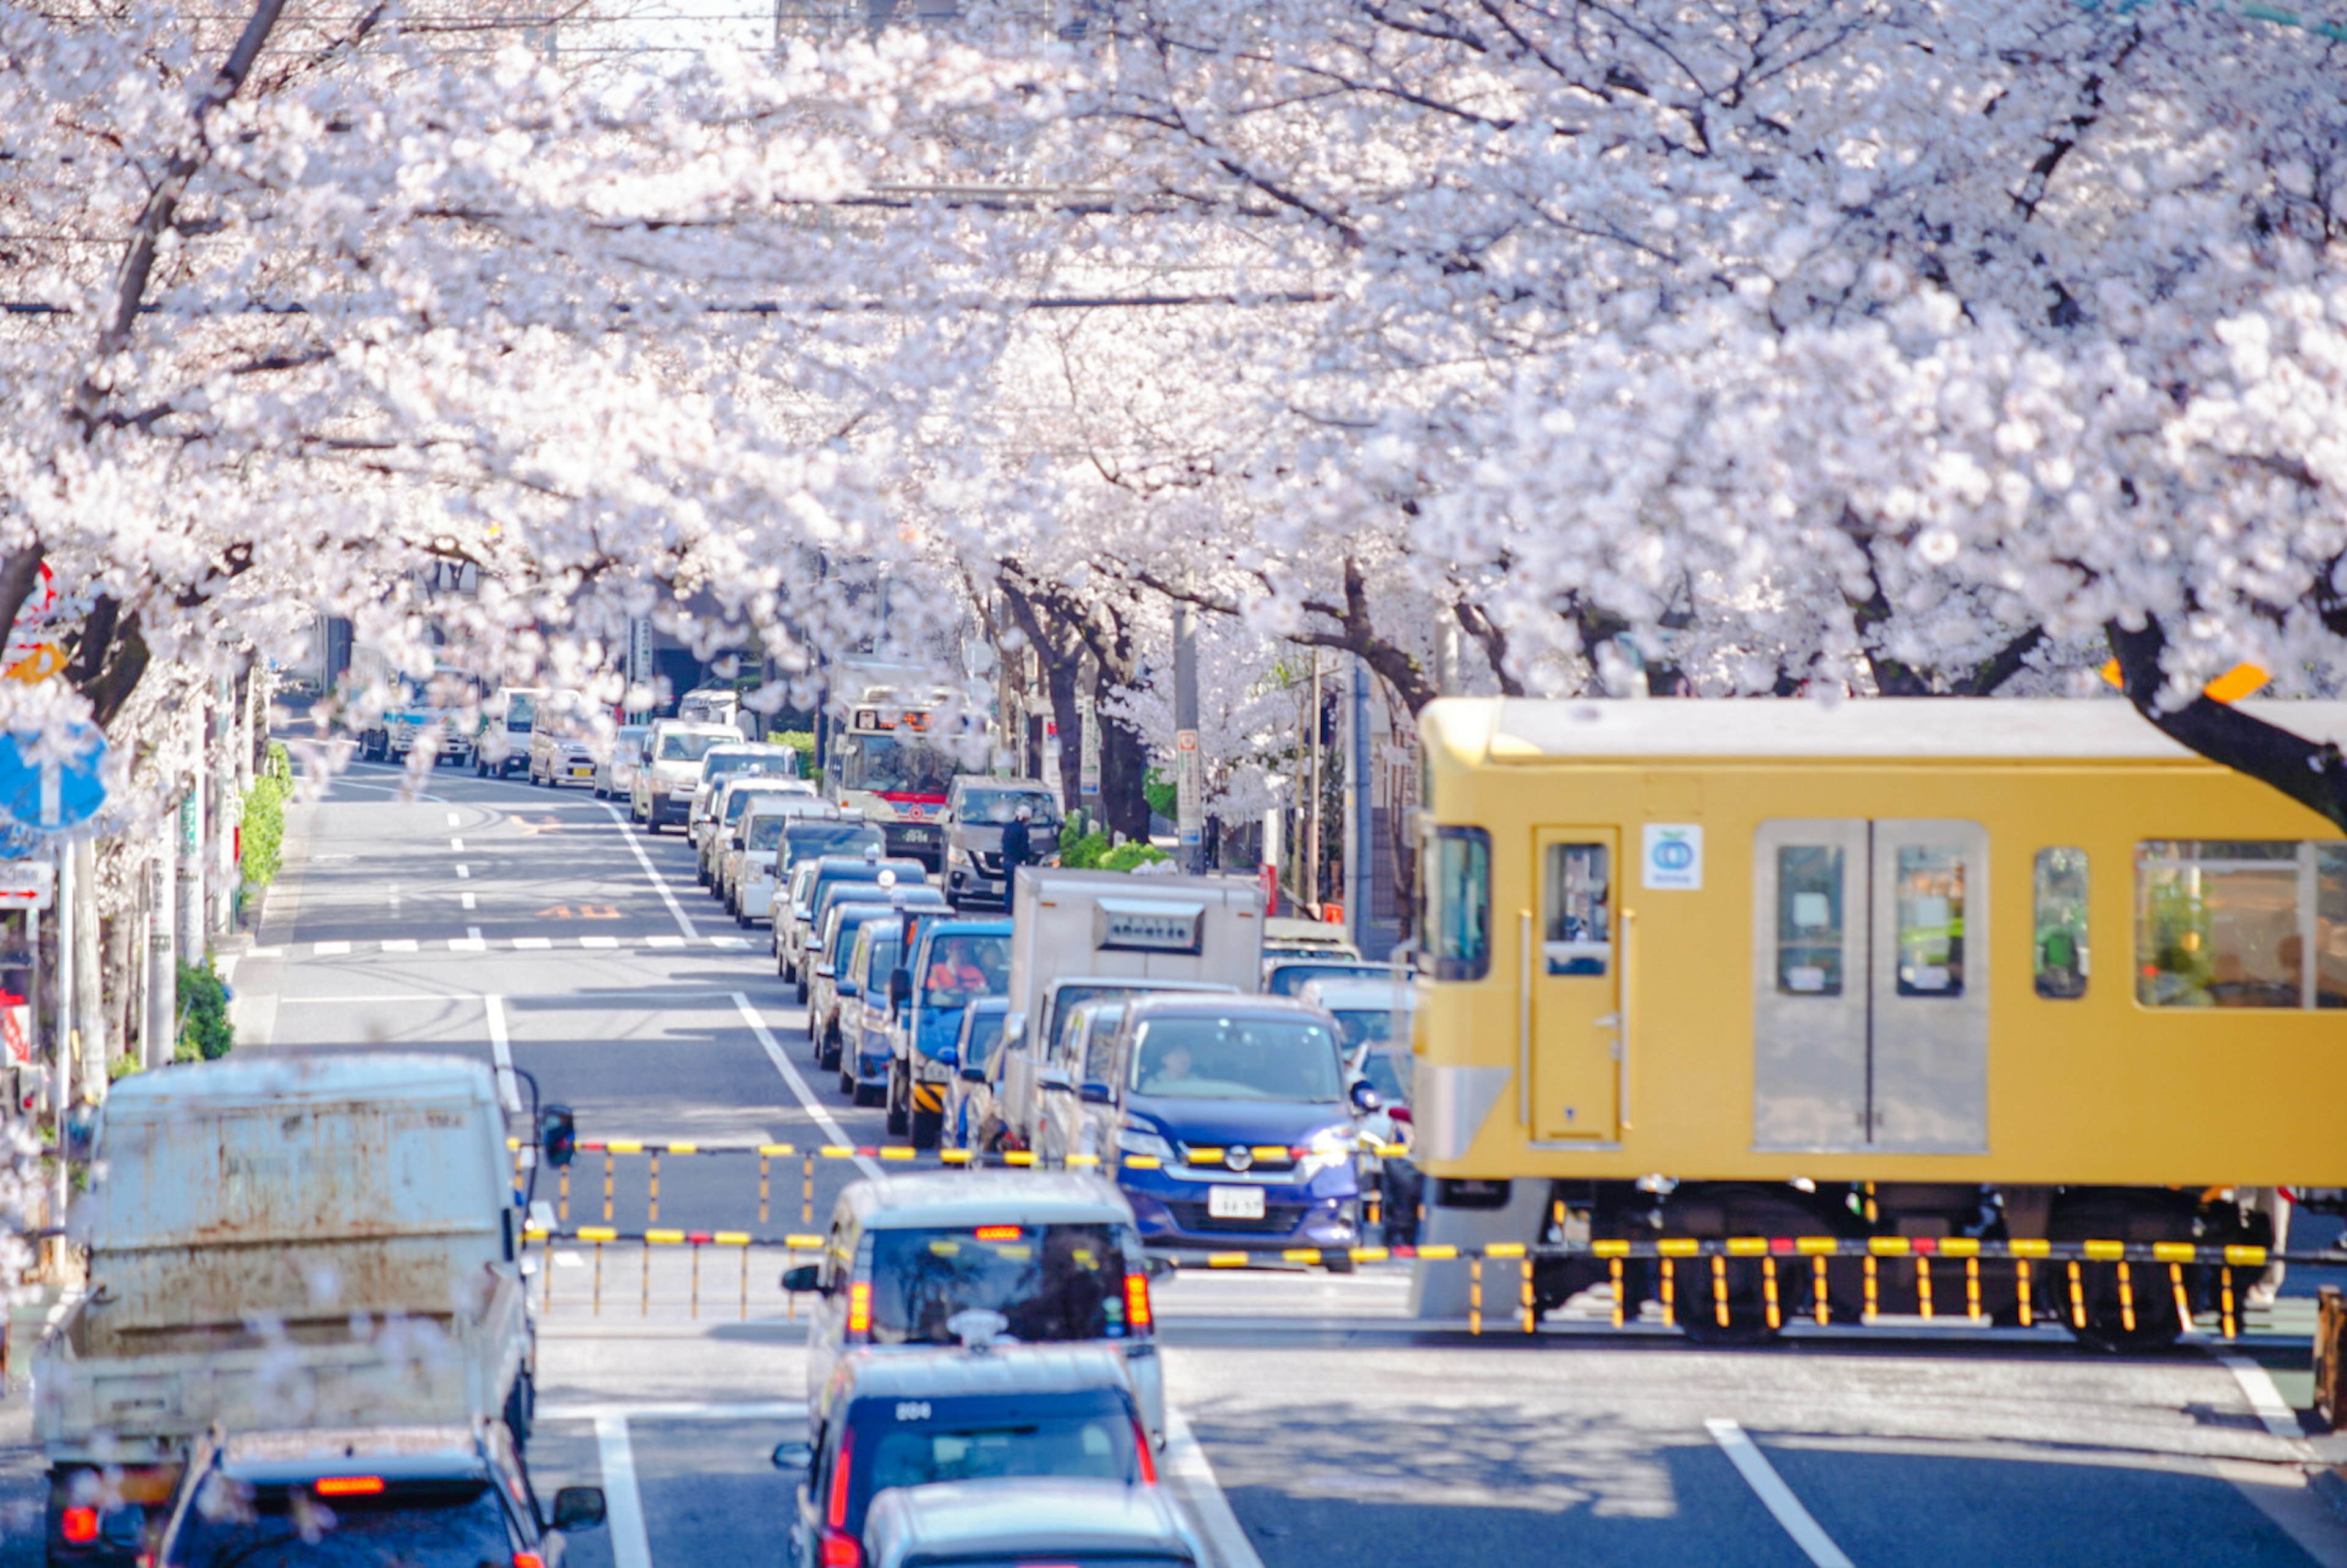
{"x": 1869, "y": 1026}
{"x": 1571, "y": 977}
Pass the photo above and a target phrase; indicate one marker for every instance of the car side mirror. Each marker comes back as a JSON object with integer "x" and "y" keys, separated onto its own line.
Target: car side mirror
{"x": 805, "y": 1280}
{"x": 558, "y": 1134}
{"x": 1095, "y": 1092}
{"x": 794, "y": 1455}
{"x": 973, "y": 1073}
{"x": 1365, "y": 1098}
{"x": 1055, "y": 1080}
{"x": 579, "y": 1507}
{"x": 1014, "y": 1028}
{"x": 1158, "y": 1268}
{"x": 900, "y": 987}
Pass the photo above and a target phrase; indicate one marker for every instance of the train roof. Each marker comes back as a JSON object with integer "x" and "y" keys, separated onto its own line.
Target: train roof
{"x": 1889, "y": 729}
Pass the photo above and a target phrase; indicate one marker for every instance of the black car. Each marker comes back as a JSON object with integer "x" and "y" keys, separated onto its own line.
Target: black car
{"x": 420, "y": 1497}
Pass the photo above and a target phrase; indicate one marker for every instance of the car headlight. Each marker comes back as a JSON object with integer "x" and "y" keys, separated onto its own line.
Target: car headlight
{"x": 1132, "y": 1139}
{"x": 1327, "y": 1150}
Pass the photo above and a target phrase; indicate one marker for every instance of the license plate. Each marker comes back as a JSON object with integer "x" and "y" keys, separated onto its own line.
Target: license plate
{"x": 1235, "y": 1203}
{"x": 916, "y": 835}
{"x": 582, "y": 773}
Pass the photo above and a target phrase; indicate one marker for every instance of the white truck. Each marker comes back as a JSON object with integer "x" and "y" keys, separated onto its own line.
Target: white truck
{"x": 284, "y": 1243}
{"x": 1081, "y": 935}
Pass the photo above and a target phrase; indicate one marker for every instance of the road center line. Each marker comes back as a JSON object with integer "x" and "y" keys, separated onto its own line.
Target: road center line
{"x": 659, "y": 886}
{"x": 1186, "y": 1467}
{"x": 457, "y": 845}
{"x": 623, "y": 1504}
{"x": 464, "y": 872}
{"x": 454, "y": 821}
{"x": 1774, "y": 1494}
{"x": 790, "y": 1072}
{"x": 501, "y": 1051}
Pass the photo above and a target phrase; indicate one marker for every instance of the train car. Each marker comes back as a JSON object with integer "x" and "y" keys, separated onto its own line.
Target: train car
{"x": 1945, "y": 968}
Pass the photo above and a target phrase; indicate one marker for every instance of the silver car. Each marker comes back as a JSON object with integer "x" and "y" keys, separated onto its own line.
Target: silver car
{"x": 615, "y": 775}
{"x": 1028, "y": 1520}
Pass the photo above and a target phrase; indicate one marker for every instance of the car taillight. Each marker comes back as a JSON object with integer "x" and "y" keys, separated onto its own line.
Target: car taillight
{"x": 349, "y": 1485}
{"x": 835, "y": 1513}
{"x": 528, "y": 1560}
{"x": 1137, "y": 1318}
{"x": 840, "y": 1549}
{"x": 1148, "y": 1461}
{"x": 78, "y": 1526}
{"x": 860, "y": 1309}
{"x": 1400, "y": 1114}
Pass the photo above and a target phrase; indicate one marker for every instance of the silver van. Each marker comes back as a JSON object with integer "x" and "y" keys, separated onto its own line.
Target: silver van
{"x": 1056, "y": 1253}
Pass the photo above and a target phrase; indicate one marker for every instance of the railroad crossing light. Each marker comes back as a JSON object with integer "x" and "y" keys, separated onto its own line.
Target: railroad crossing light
{"x": 558, "y": 1134}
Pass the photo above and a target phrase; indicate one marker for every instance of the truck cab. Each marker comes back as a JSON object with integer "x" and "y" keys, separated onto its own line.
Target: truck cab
{"x": 952, "y": 963}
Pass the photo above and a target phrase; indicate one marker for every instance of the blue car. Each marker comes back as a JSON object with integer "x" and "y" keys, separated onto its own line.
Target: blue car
{"x": 1242, "y": 1111}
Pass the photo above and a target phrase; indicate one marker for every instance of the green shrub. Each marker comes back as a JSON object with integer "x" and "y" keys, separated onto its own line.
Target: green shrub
{"x": 799, "y": 740}
{"x": 1082, "y": 851}
{"x": 205, "y": 1034}
{"x": 263, "y": 823}
{"x": 1164, "y": 798}
{"x": 1126, "y": 856}
{"x": 122, "y": 1066}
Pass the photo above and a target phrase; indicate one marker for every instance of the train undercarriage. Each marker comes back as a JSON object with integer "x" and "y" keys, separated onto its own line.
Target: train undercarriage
{"x": 1945, "y": 1253}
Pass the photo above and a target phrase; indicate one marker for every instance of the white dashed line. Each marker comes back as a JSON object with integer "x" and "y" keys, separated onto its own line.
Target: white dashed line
{"x": 465, "y": 899}
{"x": 457, "y": 845}
{"x": 454, "y": 820}
{"x": 501, "y": 1051}
{"x": 463, "y": 873}
{"x": 468, "y": 945}
{"x": 400, "y": 945}
{"x": 533, "y": 944}
{"x": 674, "y": 908}
{"x": 598, "y": 942}
{"x": 666, "y": 941}
{"x": 331, "y": 949}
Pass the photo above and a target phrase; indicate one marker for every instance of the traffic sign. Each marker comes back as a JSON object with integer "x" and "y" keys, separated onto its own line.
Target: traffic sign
{"x": 27, "y": 884}
{"x": 55, "y": 792}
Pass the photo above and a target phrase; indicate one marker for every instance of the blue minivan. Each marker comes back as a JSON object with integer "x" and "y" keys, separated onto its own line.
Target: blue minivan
{"x": 1245, "y": 1116}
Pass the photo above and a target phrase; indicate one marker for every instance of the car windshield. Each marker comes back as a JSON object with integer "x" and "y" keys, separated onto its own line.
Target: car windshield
{"x": 1289, "y": 980}
{"x": 885, "y": 947}
{"x": 802, "y": 839}
{"x": 687, "y": 747}
{"x": 1389, "y": 1073}
{"x": 717, "y": 766}
{"x": 980, "y": 1437}
{"x": 887, "y": 765}
{"x": 521, "y": 711}
{"x": 985, "y": 1034}
{"x": 1000, "y": 806}
{"x": 449, "y": 1525}
{"x": 962, "y": 965}
{"x": 1068, "y": 998}
{"x": 766, "y": 832}
{"x": 739, "y": 800}
{"x": 1052, "y": 1282}
{"x": 1237, "y": 1058}
{"x": 1370, "y": 1026}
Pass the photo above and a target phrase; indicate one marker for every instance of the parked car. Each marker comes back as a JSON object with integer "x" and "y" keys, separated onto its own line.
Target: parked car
{"x": 1245, "y": 1104}
{"x": 1055, "y": 1253}
{"x": 1287, "y": 977}
{"x": 1285, "y": 937}
{"x": 870, "y": 1003}
{"x": 726, "y": 802}
{"x": 748, "y": 849}
{"x": 977, "y": 810}
{"x": 399, "y": 1494}
{"x": 615, "y": 771}
{"x": 794, "y": 937}
{"x": 946, "y": 1525}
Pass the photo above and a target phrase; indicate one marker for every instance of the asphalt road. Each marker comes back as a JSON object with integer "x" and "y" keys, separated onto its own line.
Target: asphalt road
{"x": 523, "y": 925}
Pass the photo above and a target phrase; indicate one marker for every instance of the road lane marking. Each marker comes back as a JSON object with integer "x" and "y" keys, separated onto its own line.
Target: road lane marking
{"x": 674, "y": 908}
{"x": 456, "y": 821}
{"x": 665, "y": 942}
{"x": 790, "y": 1072}
{"x": 1774, "y": 1494}
{"x": 736, "y": 944}
{"x": 2257, "y": 1384}
{"x": 1186, "y": 1467}
{"x": 623, "y": 1504}
{"x": 532, "y": 944}
{"x": 598, "y": 942}
{"x": 465, "y": 898}
{"x": 464, "y": 872}
{"x": 457, "y": 845}
{"x": 501, "y": 1051}
{"x": 399, "y": 945}
{"x": 329, "y": 949}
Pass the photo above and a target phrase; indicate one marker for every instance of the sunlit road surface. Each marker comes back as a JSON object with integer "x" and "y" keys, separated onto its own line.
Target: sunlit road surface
{"x": 529, "y": 927}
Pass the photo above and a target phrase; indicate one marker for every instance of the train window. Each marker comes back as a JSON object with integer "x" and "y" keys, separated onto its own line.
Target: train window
{"x": 1577, "y": 930}
{"x": 2060, "y": 960}
{"x": 2223, "y": 923}
{"x": 1809, "y": 920}
{"x": 1459, "y": 904}
{"x": 1930, "y": 894}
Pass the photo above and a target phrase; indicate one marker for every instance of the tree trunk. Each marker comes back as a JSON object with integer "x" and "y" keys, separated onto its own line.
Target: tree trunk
{"x": 2312, "y": 773}
{"x": 1124, "y": 770}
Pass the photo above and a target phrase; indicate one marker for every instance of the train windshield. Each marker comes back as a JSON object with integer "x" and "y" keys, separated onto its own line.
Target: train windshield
{"x": 893, "y": 764}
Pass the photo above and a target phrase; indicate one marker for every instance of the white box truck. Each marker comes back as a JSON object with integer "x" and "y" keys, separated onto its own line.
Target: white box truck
{"x": 1083, "y": 935}
{"x": 284, "y": 1243}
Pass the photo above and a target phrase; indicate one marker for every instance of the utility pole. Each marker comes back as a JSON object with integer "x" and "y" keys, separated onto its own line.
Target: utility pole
{"x": 1359, "y": 799}
{"x": 162, "y": 978}
{"x": 1188, "y": 778}
{"x": 89, "y": 996}
{"x": 1312, "y": 787}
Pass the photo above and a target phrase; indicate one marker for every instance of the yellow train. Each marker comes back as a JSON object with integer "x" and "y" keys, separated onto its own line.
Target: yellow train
{"x": 1930, "y": 967}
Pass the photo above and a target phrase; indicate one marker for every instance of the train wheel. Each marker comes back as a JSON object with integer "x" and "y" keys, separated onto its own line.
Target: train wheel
{"x": 1728, "y": 1304}
{"x": 2124, "y": 1313}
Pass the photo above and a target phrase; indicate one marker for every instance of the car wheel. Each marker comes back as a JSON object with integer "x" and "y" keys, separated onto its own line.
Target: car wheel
{"x": 872, "y": 1095}
{"x": 928, "y": 1128}
{"x": 740, "y": 919}
{"x": 803, "y": 993}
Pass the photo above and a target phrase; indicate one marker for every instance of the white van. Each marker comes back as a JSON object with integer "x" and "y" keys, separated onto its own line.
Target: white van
{"x": 1054, "y": 1252}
